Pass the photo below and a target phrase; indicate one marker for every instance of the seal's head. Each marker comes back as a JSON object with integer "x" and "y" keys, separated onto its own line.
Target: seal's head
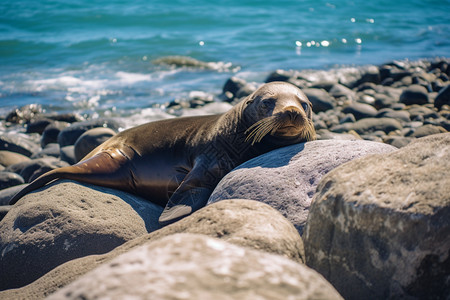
{"x": 279, "y": 111}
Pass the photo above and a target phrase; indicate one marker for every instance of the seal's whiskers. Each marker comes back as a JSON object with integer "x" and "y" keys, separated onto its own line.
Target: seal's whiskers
{"x": 261, "y": 128}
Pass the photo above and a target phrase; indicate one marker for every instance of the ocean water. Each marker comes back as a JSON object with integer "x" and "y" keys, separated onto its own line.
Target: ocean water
{"x": 100, "y": 58}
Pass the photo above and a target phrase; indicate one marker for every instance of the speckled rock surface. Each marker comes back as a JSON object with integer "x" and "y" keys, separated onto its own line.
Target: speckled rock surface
{"x": 64, "y": 221}
{"x": 379, "y": 226}
{"x": 199, "y": 267}
{"x": 246, "y": 223}
{"x": 286, "y": 178}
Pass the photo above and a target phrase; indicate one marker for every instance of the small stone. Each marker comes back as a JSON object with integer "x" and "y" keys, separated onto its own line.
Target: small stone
{"x": 90, "y": 139}
{"x": 360, "y": 110}
{"x": 319, "y": 99}
{"x": 414, "y": 94}
{"x": 8, "y": 158}
{"x": 443, "y": 98}
{"x": 9, "y": 179}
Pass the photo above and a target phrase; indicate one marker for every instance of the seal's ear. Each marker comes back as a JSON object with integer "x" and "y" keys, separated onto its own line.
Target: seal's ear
{"x": 309, "y": 113}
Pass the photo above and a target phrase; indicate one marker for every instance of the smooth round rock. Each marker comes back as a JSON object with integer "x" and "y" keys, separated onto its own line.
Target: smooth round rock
{"x": 9, "y": 179}
{"x": 320, "y": 99}
{"x": 286, "y": 178}
{"x": 8, "y": 158}
{"x": 31, "y": 169}
{"x": 69, "y": 135}
{"x": 18, "y": 143}
{"x": 414, "y": 94}
{"x": 64, "y": 221}
{"x": 379, "y": 226}
{"x": 443, "y": 98}
{"x": 360, "y": 110}
{"x": 90, "y": 139}
{"x": 192, "y": 266}
{"x": 246, "y": 223}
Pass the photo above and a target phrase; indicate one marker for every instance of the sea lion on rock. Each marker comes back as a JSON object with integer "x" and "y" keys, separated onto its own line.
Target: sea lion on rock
{"x": 178, "y": 162}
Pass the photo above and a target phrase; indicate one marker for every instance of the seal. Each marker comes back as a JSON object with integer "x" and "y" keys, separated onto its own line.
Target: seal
{"x": 178, "y": 162}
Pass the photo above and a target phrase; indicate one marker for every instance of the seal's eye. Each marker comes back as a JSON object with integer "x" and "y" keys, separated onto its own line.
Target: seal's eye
{"x": 305, "y": 106}
{"x": 267, "y": 103}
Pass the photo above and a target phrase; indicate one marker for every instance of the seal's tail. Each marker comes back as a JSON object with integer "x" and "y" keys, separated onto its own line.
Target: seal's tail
{"x": 104, "y": 168}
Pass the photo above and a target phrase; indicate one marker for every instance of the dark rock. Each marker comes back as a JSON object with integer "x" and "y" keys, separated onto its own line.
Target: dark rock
{"x": 324, "y": 85}
{"x": 233, "y": 85}
{"x": 8, "y": 158}
{"x": 371, "y": 75}
{"x": 24, "y": 114}
{"x": 286, "y": 178}
{"x": 6, "y": 194}
{"x": 319, "y": 99}
{"x": 383, "y": 101}
{"x": 65, "y": 221}
{"x": 69, "y": 135}
{"x": 279, "y": 75}
{"x": 443, "y": 98}
{"x": 89, "y": 140}
{"x": 17, "y": 143}
{"x": 414, "y": 94}
{"x": 66, "y": 118}
{"x": 38, "y": 125}
{"x": 245, "y": 223}
{"x": 379, "y": 226}
{"x": 360, "y": 110}
{"x": 369, "y": 125}
{"x": 199, "y": 267}
{"x": 400, "y": 115}
{"x": 9, "y": 179}
{"x": 67, "y": 154}
{"x": 246, "y": 90}
{"x": 51, "y": 132}
{"x": 33, "y": 168}
{"x": 416, "y": 111}
{"x": 4, "y": 210}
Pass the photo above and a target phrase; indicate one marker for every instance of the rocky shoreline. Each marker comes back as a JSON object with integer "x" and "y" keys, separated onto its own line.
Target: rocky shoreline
{"x": 370, "y": 200}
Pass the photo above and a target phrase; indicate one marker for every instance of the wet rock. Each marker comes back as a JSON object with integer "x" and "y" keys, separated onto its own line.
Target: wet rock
{"x": 233, "y": 85}
{"x": 9, "y": 179}
{"x": 6, "y": 194}
{"x": 18, "y": 143}
{"x": 67, "y": 154}
{"x": 245, "y": 223}
{"x": 51, "y": 132}
{"x": 414, "y": 94}
{"x": 69, "y": 135}
{"x": 279, "y": 75}
{"x": 319, "y": 99}
{"x": 24, "y": 114}
{"x": 90, "y": 139}
{"x": 443, "y": 98}
{"x": 8, "y": 158}
{"x": 378, "y": 226}
{"x": 286, "y": 178}
{"x": 38, "y": 125}
{"x": 199, "y": 267}
{"x": 65, "y": 221}
{"x": 31, "y": 169}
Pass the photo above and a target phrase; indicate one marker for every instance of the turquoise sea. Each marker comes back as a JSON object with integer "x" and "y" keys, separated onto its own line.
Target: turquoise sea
{"x": 98, "y": 57}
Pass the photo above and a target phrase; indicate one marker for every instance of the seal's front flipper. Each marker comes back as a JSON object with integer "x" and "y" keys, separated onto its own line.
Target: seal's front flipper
{"x": 183, "y": 203}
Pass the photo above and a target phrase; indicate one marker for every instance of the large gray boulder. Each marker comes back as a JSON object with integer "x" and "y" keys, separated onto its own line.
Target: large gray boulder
{"x": 188, "y": 266}
{"x": 65, "y": 221}
{"x": 379, "y": 226}
{"x": 286, "y": 178}
{"x": 246, "y": 223}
